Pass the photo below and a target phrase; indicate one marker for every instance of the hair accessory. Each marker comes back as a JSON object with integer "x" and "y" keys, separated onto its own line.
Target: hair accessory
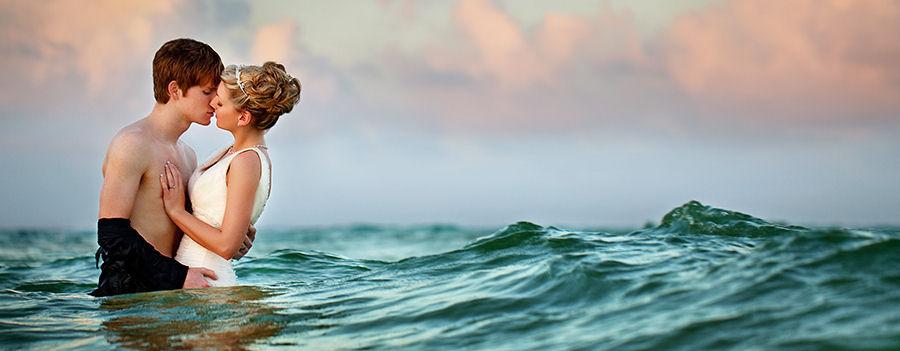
{"x": 237, "y": 74}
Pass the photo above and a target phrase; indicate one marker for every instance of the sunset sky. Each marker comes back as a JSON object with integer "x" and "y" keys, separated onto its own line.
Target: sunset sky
{"x": 476, "y": 112}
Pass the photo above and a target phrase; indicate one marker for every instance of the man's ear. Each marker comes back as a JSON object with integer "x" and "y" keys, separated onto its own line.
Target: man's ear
{"x": 174, "y": 90}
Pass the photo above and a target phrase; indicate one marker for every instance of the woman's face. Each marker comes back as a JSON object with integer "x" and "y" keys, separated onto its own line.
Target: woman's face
{"x": 226, "y": 112}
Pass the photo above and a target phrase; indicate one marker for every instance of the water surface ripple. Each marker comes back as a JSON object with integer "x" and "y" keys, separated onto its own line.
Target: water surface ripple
{"x": 704, "y": 278}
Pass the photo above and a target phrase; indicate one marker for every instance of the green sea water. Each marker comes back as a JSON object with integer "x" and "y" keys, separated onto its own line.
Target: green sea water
{"x": 703, "y": 279}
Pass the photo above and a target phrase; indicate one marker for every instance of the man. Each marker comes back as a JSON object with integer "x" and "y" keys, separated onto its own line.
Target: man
{"x": 137, "y": 239}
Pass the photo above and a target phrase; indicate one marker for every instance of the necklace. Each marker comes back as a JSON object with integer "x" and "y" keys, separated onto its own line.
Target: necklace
{"x": 231, "y": 148}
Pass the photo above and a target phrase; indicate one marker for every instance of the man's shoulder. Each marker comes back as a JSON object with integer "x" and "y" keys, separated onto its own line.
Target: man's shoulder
{"x": 133, "y": 135}
{"x": 132, "y": 142}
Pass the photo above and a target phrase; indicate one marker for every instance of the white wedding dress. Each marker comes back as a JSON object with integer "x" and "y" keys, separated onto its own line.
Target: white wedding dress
{"x": 207, "y": 191}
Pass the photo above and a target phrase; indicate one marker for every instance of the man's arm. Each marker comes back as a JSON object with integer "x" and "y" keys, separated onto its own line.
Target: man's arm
{"x": 123, "y": 168}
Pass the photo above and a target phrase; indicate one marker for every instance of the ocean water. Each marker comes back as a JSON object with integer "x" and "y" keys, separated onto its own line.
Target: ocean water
{"x": 703, "y": 279}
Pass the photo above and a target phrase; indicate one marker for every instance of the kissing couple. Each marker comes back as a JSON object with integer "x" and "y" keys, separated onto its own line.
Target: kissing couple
{"x": 165, "y": 222}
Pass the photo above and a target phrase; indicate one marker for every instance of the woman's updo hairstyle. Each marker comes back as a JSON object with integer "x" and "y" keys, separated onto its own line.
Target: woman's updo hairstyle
{"x": 266, "y": 92}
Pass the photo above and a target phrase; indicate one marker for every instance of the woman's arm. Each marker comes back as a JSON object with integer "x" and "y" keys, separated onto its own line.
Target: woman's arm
{"x": 242, "y": 181}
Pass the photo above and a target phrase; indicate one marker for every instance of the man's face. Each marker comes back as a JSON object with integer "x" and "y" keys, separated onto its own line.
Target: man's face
{"x": 195, "y": 104}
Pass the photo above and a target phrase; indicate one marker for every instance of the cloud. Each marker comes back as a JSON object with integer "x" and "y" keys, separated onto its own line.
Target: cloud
{"x": 727, "y": 66}
{"x": 804, "y": 59}
{"x": 514, "y": 57}
{"x": 504, "y": 53}
{"x": 274, "y": 42}
{"x": 492, "y": 73}
{"x": 96, "y": 41}
{"x": 476, "y": 65}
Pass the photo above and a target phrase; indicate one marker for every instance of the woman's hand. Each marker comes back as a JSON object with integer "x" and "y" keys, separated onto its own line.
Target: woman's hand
{"x": 172, "y": 189}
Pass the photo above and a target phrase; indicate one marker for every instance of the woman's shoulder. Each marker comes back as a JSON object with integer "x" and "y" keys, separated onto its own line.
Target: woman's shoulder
{"x": 246, "y": 164}
{"x": 246, "y": 157}
{"x": 255, "y": 155}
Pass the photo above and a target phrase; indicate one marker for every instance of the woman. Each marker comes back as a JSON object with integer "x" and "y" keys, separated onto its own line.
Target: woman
{"x": 229, "y": 191}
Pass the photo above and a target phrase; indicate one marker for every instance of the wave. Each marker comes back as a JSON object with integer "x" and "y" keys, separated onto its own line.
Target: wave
{"x": 704, "y": 278}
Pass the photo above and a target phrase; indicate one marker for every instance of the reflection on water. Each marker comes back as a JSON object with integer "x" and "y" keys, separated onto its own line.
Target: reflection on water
{"x": 218, "y": 318}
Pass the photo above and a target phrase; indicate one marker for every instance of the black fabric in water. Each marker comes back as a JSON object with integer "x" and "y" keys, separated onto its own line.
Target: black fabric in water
{"x": 131, "y": 264}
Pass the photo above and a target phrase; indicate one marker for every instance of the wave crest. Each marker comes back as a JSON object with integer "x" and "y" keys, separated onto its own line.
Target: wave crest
{"x": 697, "y": 218}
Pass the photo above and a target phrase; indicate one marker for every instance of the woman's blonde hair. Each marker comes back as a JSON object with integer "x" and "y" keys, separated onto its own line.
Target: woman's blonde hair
{"x": 266, "y": 91}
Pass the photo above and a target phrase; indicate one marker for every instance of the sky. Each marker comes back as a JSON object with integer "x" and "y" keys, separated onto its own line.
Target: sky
{"x": 484, "y": 113}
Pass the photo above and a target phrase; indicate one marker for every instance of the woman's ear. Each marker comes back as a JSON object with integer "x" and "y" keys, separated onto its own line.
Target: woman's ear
{"x": 174, "y": 90}
{"x": 245, "y": 118}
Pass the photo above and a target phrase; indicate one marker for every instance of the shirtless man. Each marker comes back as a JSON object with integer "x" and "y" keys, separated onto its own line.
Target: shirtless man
{"x": 137, "y": 239}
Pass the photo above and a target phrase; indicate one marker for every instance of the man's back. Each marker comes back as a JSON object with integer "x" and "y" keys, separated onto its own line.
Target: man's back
{"x": 131, "y": 189}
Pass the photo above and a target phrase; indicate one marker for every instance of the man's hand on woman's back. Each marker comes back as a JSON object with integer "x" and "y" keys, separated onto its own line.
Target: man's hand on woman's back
{"x": 195, "y": 277}
{"x": 248, "y": 243}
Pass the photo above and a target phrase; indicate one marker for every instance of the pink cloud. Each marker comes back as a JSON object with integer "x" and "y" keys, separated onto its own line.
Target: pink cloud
{"x": 487, "y": 69}
{"x": 739, "y": 61}
{"x": 801, "y": 59}
{"x": 98, "y": 41}
{"x": 504, "y": 53}
{"x": 496, "y": 74}
{"x": 273, "y": 42}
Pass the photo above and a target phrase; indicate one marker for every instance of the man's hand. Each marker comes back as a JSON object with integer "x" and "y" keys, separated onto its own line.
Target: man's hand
{"x": 195, "y": 277}
{"x": 248, "y": 243}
